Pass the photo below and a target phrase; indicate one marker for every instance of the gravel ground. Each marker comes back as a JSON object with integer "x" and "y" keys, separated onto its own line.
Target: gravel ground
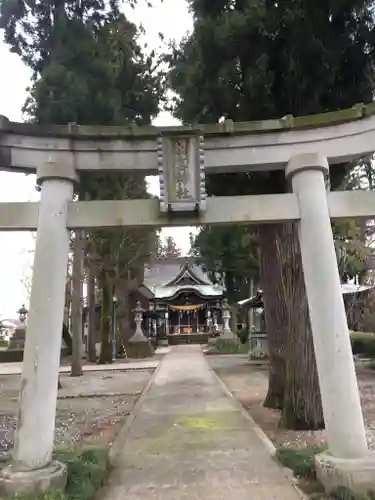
{"x": 90, "y": 409}
{"x": 249, "y": 384}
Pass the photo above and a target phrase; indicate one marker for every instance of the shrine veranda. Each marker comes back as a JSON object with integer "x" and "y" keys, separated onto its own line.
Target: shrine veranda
{"x": 303, "y": 147}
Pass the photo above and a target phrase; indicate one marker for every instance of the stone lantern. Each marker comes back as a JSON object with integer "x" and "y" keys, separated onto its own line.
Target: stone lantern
{"x": 23, "y": 312}
{"x": 209, "y": 321}
{"x": 17, "y": 340}
{"x": 227, "y": 332}
{"x": 138, "y": 346}
{"x": 138, "y": 318}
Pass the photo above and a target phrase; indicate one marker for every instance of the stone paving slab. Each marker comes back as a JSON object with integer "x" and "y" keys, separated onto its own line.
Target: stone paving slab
{"x": 16, "y": 368}
{"x": 190, "y": 440}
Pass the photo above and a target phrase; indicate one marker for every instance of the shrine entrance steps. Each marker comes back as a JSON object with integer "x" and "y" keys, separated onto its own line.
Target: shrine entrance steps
{"x": 190, "y": 440}
{"x": 188, "y": 338}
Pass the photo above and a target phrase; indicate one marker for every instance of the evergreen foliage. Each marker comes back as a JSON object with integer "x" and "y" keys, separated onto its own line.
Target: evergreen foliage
{"x": 260, "y": 59}
{"x": 89, "y": 68}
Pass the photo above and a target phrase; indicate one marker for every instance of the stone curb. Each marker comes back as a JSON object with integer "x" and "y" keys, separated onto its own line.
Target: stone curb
{"x": 120, "y": 439}
{"x": 98, "y": 395}
{"x": 259, "y": 432}
{"x": 111, "y": 368}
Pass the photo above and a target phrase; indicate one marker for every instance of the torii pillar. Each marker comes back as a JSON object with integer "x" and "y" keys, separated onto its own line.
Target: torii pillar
{"x": 32, "y": 469}
{"x": 348, "y": 461}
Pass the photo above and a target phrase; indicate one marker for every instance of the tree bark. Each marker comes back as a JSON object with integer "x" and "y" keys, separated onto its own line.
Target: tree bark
{"x": 91, "y": 351}
{"x": 233, "y": 319}
{"x": 293, "y": 380}
{"x": 77, "y": 285}
{"x": 123, "y": 291}
{"x": 105, "y": 322}
{"x": 302, "y": 407}
{"x": 275, "y": 309}
{"x": 68, "y": 296}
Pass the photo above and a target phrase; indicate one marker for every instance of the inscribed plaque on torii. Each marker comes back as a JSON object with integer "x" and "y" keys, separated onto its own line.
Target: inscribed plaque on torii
{"x": 181, "y": 173}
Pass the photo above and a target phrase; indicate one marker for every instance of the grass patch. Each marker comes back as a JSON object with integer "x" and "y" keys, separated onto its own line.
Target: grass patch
{"x": 302, "y": 462}
{"x": 87, "y": 472}
{"x": 224, "y": 346}
{"x": 346, "y": 494}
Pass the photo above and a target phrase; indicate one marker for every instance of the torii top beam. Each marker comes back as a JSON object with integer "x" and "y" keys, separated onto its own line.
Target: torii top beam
{"x": 228, "y": 147}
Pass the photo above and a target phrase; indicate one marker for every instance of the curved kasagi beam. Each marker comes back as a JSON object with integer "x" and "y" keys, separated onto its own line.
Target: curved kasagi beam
{"x": 264, "y": 145}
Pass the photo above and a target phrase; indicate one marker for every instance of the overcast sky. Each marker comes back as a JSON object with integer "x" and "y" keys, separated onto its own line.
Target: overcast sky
{"x": 171, "y": 17}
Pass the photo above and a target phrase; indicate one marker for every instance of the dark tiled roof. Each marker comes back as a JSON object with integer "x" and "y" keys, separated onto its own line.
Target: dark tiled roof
{"x": 163, "y": 271}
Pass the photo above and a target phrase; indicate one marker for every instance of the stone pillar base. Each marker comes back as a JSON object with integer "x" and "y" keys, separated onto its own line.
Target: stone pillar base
{"x": 139, "y": 349}
{"x": 356, "y": 474}
{"x": 32, "y": 482}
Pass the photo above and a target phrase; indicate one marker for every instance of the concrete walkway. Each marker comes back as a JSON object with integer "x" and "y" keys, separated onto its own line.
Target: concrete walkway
{"x": 190, "y": 440}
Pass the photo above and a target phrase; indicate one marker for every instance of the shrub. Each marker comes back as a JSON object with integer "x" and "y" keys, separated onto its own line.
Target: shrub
{"x": 86, "y": 473}
{"x": 224, "y": 346}
{"x": 243, "y": 335}
{"x": 258, "y": 354}
{"x": 363, "y": 344}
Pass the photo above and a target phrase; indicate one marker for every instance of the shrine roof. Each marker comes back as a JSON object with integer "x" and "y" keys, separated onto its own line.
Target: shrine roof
{"x": 346, "y": 289}
{"x": 162, "y": 275}
{"x": 352, "y": 288}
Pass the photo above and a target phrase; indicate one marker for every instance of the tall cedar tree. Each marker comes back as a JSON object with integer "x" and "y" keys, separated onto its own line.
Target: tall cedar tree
{"x": 89, "y": 68}
{"x": 259, "y": 59}
{"x": 168, "y": 249}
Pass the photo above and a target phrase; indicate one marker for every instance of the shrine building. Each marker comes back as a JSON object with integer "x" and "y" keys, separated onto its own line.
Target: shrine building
{"x": 184, "y": 297}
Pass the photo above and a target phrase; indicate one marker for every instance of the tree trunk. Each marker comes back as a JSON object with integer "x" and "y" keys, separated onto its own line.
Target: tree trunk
{"x": 233, "y": 319}
{"x": 68, "y": 297}
{"x": 302, "y": 402}
{"x": 270, "y": 237}
{"x": 105, "y": 322}
{"x": 123, "y": 311}
{"x": 91, "y": 351}
{"x": 77, "y": 282}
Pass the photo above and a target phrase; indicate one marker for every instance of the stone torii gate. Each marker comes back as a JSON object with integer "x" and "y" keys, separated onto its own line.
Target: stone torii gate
{"x": 304, "y": 147}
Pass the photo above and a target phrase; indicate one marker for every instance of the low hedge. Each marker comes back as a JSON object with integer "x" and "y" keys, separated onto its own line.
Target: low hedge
{"x": 11, "y": 356}
{"x": 227, "y": 346}
{"x": 363, "y": 344}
